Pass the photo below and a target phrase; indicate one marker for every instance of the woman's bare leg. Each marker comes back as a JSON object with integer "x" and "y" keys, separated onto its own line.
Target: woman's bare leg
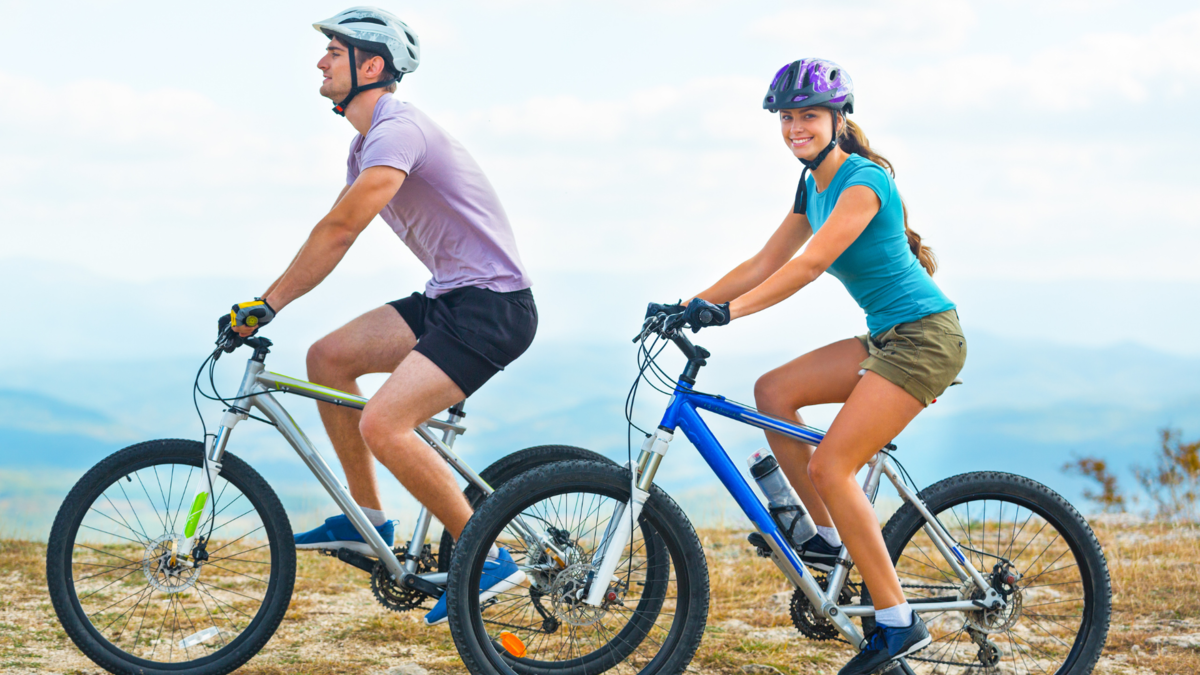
{"x": 825, "y": 375}
{"x": 875, "y": 413}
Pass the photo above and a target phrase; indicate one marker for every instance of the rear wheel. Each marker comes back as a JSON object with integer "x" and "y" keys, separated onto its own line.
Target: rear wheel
{"x": 132, "y": 606}
{"x": 507, "y": 468}
{"x": 1032, "y": 547}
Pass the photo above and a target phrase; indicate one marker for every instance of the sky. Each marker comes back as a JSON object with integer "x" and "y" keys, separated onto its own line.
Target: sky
{"x": 159, "y": 162}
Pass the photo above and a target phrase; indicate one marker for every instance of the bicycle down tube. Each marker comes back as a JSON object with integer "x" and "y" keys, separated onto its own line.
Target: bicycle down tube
{"x": 256, "y": 387}
{"x": 682, "y": 413}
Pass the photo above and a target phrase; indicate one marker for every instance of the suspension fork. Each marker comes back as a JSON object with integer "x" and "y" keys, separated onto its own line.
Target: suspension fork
{"x": 624, "y": 516}
{"x": 214, "y": 450}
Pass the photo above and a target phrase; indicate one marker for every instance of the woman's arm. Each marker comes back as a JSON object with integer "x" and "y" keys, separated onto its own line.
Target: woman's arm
{"x": 780, "y": 248}
{"x": 854, "y": 210}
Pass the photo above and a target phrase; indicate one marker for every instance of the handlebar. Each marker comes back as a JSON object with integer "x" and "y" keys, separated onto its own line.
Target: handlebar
{"x": 228, "y": 340}
{"x": 662, "y": 325}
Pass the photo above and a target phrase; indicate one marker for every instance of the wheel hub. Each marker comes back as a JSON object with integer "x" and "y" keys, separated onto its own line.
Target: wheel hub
{"x": 161, "y": 572}
{"x": 567, "y": 593}
{"x": 991, "y": 621}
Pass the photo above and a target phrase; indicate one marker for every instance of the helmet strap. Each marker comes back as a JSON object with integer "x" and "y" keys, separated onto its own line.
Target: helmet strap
{"x": 355, "y": 90}
{"x": 801, "y": 206}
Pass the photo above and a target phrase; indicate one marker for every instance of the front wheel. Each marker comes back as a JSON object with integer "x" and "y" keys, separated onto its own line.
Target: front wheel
{"x": 133, "y": 606}
{"x": 1033, "y": 548}
{"x": 655, "y": 607}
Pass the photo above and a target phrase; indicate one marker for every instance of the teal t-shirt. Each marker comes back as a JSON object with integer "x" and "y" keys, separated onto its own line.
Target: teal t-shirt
{"x": 878, "y": 269}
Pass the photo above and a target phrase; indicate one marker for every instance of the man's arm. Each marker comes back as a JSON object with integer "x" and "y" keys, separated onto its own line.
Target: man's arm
{"x": 275, "y": 283}
{"x": 328, "y": 242}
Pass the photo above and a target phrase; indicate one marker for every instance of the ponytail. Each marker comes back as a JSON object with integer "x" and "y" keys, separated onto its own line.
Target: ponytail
{"x": 853, "y": 140}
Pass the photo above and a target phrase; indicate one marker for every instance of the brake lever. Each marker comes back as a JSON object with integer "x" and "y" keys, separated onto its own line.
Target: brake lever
{"x": 648, "y": 326}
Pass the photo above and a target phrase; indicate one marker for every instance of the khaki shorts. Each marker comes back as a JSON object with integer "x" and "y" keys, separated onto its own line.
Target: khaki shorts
{"x": 922, "y": 357}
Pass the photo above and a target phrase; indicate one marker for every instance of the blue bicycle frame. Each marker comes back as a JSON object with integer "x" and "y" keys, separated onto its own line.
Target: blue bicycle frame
{"x": 683, "y": 413}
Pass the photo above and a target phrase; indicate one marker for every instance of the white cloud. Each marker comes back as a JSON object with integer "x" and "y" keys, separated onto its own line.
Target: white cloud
{"x": 908, "y": 26}
{"x": 1097, "y": 69}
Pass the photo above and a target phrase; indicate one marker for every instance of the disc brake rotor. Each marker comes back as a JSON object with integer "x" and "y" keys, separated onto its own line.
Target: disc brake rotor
{"x": 991, "y": 621}
{"x": 160, "y": 573}
{"x": 566, "y": 595}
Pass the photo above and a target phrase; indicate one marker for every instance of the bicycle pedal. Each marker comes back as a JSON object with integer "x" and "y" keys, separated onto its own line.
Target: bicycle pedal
{"x": 760, "y": 544}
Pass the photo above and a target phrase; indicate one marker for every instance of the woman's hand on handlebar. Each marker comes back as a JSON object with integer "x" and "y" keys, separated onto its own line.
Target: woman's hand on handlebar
{"x": 700, "y": 313}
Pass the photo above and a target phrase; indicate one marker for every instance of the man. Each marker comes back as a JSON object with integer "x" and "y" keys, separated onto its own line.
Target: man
{"x": 475, "y": 316}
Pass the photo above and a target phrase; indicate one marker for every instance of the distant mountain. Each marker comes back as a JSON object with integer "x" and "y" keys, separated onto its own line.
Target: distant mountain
{"x": 1026, "y": 407}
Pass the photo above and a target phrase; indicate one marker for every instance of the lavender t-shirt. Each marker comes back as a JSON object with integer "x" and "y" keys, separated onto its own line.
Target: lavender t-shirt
{"x": 446, "y": 211}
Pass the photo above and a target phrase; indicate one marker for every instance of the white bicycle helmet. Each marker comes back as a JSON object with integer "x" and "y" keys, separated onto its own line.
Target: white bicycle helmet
{"x": 376, "y": 31}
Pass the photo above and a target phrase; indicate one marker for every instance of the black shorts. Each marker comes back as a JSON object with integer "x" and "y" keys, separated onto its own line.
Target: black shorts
{"x": 471, "y": 333}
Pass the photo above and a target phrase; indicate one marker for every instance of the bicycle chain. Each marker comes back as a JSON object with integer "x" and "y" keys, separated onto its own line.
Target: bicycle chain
{"x": 391, "y": 595}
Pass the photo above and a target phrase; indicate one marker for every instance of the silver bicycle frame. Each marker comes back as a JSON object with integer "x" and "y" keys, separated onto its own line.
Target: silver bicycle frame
{"x": 255, "y": 390}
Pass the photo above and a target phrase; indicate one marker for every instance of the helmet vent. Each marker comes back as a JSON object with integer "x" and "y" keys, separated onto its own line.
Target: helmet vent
{"x": 833, "y": 75}
{"x": 365, "y": 19}
{"x": 411, "y": 54}
{"x": 410, "y": 39}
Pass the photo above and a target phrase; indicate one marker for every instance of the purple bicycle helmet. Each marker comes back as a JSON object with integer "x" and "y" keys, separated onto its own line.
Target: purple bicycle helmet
{"x": 808, "y": 83}
{"x": 811, "y": 82}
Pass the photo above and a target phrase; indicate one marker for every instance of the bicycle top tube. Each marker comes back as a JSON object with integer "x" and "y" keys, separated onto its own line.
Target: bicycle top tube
{"x": 291, "y": 385}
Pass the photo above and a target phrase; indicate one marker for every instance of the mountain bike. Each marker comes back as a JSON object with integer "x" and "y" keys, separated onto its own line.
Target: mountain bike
{"x": 1007, "y": 575}
{"x": 175, "y": 556}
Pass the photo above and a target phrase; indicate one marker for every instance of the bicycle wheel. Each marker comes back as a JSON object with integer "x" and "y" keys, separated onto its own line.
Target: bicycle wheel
{"x": 655, "y": 610}
{"x": 508, "y": 467}
{"x": 1031, "y": 546}
{"x": 120, "y": 598}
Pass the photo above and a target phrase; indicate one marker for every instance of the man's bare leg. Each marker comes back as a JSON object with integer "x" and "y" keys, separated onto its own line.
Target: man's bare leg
{"x": 417, "y": 390}
{"x": 375, "y": 342}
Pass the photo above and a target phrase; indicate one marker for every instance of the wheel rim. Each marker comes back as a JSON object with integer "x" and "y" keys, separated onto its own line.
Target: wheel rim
{"x": 1047, "y": 619}
{"x": 129, "y": 594}
{"x": 627, "y": 634}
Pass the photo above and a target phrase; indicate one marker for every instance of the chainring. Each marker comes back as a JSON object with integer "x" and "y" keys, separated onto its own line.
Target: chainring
{"x": 809, "y": 620}
{"x": 393, "y": 596}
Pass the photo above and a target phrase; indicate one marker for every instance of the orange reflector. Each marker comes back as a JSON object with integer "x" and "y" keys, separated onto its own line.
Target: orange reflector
{"x": 512, "y": 644}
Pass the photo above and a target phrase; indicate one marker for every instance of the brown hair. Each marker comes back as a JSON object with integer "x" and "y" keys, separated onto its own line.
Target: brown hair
{"x": 361, "y": 56}
{"x": 853, "y": 140}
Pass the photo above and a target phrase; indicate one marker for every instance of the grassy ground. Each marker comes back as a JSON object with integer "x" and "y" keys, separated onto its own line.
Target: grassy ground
{"x": 335, "y": 626}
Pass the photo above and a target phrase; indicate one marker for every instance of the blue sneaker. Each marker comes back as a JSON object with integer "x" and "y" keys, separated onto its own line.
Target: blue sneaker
{"x": 337, "y": 532}
{"x": 498, "y": 576}
{"x": 887, "y": 644}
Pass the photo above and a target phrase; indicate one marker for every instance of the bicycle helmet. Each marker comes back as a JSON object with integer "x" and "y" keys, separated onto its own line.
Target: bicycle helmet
{"x": 807, "y": 83}
{"x": 378, "y": 32}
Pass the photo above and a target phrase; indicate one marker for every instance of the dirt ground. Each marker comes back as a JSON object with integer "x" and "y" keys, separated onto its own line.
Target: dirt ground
{"x": 334, "y": 624}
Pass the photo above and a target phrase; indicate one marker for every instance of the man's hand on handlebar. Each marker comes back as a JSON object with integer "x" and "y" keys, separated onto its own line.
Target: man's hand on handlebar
{"x": 245, "y": 318}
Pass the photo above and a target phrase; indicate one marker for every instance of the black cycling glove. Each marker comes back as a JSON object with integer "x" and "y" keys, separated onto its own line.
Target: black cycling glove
{"x": 654, "y": 309}
{"x": 702, "y": 313}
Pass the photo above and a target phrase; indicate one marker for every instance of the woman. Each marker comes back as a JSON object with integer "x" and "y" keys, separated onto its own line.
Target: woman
{"x": 849, "y": 213}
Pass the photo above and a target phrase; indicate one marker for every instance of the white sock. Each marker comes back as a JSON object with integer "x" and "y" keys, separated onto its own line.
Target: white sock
{"x": 898, "y": 616}
{"x": 493, "y": 553}
{"x": 375, "y": 517}
{"x": 830, "y": 535}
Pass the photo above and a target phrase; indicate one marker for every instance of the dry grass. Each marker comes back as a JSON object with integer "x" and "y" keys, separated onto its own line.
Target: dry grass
{"x": 335, "y": 626}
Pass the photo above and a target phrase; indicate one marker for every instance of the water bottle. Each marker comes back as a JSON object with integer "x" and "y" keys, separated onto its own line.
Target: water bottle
{"x": 782, "y": 501}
